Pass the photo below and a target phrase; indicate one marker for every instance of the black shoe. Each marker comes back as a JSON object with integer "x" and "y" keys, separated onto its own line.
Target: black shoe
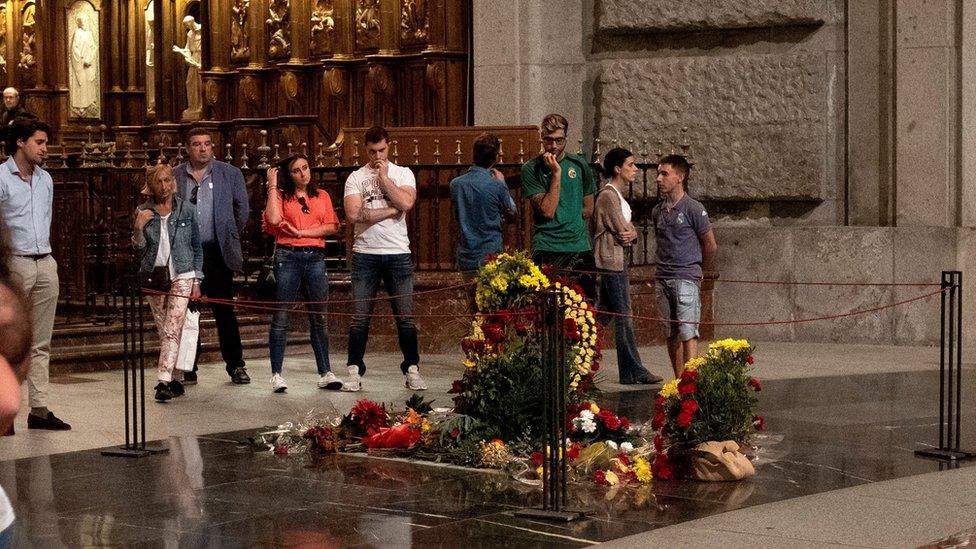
{"x": 239, "y": 376}
{"x": 51, "y": 423}
{"x": 648, "y": 378}
{"x": 163, "y": 392}
{"x": 189, "y": 378}
{"x": 176, "y": 388}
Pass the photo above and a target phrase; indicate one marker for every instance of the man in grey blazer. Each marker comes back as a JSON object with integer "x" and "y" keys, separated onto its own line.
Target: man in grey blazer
{"x": 218, "y": 191}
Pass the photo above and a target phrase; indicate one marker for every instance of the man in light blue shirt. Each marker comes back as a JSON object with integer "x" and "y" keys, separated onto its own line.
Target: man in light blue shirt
{"x": 26, "y": 203}
{"x": 481, "y": 200}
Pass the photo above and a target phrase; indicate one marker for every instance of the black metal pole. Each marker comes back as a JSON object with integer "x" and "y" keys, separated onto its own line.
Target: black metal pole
{"x": 126, "y": 358}
{"x": 130, "y": 395}
{"x": 554, "y": 467}
{"x": 958, "y": 358}
{"x": 950, "y": 372}
{"x": 142, "y": 372}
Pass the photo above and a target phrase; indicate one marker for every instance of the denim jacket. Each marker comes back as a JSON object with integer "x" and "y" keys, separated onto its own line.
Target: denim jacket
{"x": 184, "y": 239}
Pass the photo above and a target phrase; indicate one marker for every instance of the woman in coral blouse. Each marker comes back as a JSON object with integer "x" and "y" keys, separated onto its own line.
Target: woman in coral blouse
{"x": 299, "y": 216}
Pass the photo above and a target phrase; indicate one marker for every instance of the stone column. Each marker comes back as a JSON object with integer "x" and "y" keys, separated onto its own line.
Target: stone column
{"x": 218, "y": 35}
{"x": 926, "y": 114}
{"x": 540, "y": 69}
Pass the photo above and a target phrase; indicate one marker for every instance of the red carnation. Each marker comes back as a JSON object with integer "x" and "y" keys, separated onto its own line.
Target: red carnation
{"x": 456, "y": 387}
{"x": 609, "y": 419}
{"x": 599, "y": 477}
{"x": 281, "y": 450}
{"x": 659, "y": 404}
{"x": 662, "y": 467}
{"x": 689, "y": 406}
{"x": 573, "y": 409}
{"x": 658, "y": 421}
{"x": 624, "y": 423}
{"x": 623, "y": 458}
{"x": 536, "y": 458}
{"x": 573, "y": 453}
{"x": 684, "y": 420}
{"x": 687, "y": 388}
{"x": 595, "y": 366}
{"x": 658, "y": 443}
{"x": 689, "y": 375}
{"x": 493, "y": 333}
{"x": 759, "y": 423}
{"x": 755, "y": 384}
{"x": 584, "y": 384}
{"x": 750, "y": 360}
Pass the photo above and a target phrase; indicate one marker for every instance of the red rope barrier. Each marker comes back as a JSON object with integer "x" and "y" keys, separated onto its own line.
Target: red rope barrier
{"x": 772, "y": 322}
{"x": 774, "y": 282}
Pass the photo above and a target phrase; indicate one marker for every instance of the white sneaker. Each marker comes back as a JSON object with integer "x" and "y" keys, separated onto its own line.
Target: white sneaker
{"x": 278, "y": 384}
{"x": 413, "y": 380}
{"x": 355, "y": 381}
{"x": 330, "y": 381}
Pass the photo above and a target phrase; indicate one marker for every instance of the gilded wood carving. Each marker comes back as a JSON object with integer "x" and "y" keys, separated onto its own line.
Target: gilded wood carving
{"x": 27, "y": 60}
{"x": 367, "y": 24}
{"x": 414, "y": 21}
{"x": 279, "y": 29}
{"x": 323, "y": 26}
{"x": 239, "y": 33}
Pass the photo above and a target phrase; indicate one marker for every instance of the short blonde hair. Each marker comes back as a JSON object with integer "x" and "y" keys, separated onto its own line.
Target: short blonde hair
{"x": 154, "y": 176}
{"x": 553, "y": 122}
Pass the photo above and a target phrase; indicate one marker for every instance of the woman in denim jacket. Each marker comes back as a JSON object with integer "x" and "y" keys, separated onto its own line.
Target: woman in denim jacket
{"x": 178, "y": 247}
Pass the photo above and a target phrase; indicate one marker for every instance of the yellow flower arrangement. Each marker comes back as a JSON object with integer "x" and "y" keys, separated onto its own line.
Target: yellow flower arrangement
{"x": 670, "y": 389}
{"x": 729, "y": 344}
{"x": 642, "y": 468}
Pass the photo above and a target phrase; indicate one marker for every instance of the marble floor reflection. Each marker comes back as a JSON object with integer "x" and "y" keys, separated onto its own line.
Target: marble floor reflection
{"x": 213, "y": 491}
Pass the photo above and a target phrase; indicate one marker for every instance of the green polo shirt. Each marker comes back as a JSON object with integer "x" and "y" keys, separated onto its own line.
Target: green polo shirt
{"x": 566, "y": 231}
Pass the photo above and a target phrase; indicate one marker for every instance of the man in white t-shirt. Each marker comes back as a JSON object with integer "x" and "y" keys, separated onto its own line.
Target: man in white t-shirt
{"x": 377, "y": 198}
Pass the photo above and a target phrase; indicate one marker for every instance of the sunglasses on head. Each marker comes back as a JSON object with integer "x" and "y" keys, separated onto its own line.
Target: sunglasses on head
{"x": 304, "y": 204}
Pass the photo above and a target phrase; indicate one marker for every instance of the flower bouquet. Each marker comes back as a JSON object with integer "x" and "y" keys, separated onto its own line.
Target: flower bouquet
{"x": 704, "y": 416}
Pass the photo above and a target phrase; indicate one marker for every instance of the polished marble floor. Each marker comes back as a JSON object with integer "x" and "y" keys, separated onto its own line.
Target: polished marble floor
{"x": 823, "y": 433}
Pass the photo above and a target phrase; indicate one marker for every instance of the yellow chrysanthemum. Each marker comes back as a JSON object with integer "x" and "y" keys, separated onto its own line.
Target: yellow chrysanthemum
{"x": 695, "y": 363}
{"x": 670, "y": 389}
{"x": 642, "y": 469}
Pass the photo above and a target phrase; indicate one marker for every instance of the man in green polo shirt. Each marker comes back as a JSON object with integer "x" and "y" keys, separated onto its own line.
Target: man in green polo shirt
{"x": 561, "y": 188}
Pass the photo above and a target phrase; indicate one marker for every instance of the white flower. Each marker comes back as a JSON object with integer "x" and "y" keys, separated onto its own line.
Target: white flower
{"x": 588, "y": 426}
{"x": 627, "y": 447}
{"x": 612, "y": 445}
{"x": 586, "y": 415}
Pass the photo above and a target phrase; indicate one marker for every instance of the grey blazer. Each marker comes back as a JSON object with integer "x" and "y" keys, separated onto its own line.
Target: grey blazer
{"x": 231, "y": 207}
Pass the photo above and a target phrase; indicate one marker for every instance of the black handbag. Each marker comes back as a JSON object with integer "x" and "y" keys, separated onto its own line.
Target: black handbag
{"x": 156, "y": 279}
{"x": 266, "y": 285}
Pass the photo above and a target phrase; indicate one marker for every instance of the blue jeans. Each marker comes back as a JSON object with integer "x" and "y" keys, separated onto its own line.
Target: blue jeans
{"x": 300, "y": 271}
{"x": 396, "y": 273}
{"x": 615, "y": 298}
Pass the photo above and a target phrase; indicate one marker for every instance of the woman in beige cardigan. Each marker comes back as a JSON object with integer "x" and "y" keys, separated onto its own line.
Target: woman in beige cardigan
{"x": 613, "y": 232}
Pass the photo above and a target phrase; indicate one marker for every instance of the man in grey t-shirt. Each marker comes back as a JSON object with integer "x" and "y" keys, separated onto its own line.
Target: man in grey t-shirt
{"x": 685, "y": 245}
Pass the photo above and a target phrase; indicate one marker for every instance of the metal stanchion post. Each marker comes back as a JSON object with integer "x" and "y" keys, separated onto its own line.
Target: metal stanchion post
{"x": 554, "y": 464}
{"x": 950, "y": 373}
{"x": 133, "y": 381}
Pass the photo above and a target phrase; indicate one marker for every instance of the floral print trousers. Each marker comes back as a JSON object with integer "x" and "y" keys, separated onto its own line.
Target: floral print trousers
{"x": 169, "y": 312}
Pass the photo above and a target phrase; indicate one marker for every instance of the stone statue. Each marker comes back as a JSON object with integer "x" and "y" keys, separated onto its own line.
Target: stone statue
{"x": 84, "y": 70}
{"x": 192, "y": 55}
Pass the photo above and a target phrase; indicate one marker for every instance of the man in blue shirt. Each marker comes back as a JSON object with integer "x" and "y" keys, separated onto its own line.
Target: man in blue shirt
{"x": 481, "y": 199}
{"x": 218, "y": 192}
{"x": 26, "y": 203}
